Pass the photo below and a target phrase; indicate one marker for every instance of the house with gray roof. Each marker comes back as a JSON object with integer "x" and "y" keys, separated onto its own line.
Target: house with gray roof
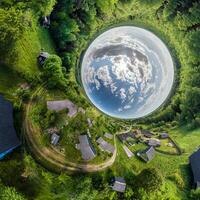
{"x": 195, "y": 167}
{"x": 46, "y": 22}
{"x": 154, "y": 142}
{"x": 145, "y": 133}
{"x": 87, "y": 150}
{"x": 105, "y": 146}
{"x": 54, "y": 139}
{"x": 8, "y": 137}
{"x": 42, "y": 57}
{"x": 124, "y": 136}
{"x": 119, "y": 184}
{"x": 128, "y": 152}
{"x": 164, "y": 135}
{"x": 108, "y": 135}
{"x": 147, "y": 154}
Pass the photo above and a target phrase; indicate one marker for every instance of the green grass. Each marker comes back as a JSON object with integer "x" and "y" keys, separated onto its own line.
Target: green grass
{"x": 34, "y": 40}
{"x": 9, "y": 80}
{"x": 27, "y": 50}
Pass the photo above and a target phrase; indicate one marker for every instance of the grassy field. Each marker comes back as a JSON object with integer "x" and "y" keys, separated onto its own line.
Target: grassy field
{"x": 34, "y": 40}
{"x": 9, "y": 79}
{"x": 28, "y": 47}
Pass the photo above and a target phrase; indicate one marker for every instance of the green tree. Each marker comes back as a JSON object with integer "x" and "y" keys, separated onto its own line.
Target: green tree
{"x": 106, "y": 6}
{"x": 195, "y": 194}
{"x": 9, "y": 193}
{"x": 53, "y": 73}
{"x": 43, "y": 7}
{"x": 149, "y": 179}
{"x": 13, "y": 23}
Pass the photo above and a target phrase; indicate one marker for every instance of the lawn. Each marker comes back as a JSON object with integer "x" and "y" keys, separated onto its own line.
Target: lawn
{"x": 9, "y": 79}
{"x": 34, "y": 40}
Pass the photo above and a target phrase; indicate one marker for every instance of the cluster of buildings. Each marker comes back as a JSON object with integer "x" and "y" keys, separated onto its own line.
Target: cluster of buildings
{"x": 10, "y": 141}
{"x": 142, "y": 136}
{"x": 87, "y": 149}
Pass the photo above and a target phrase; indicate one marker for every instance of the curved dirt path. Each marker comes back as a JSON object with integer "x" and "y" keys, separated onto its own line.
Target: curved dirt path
{"x": 50, "y": 157}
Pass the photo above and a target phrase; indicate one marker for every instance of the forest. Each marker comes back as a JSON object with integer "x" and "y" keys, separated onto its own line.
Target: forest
{"x": 74, "y": 23}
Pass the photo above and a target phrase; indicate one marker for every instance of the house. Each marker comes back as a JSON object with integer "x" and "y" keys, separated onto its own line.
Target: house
{"x": 195, "y": 167}
{"x": 153, "y": 142}
{"x": 89, "y": 122}
{"x": 124, "y": 136}
{"x": 147, "y": 155}
{"x": 105, "y": 146}
{"x": 8, "y": 137}
{"x": 128, "y": 152}
{"x": 164, "y": 135}
{"x": 54, "y": 139}
{"x": 60, "y": 105}
{"x": 108, "y": 135}
{"x": 119, "y": 184}
{"x": 46, "y": 22}
{"x": 86, "y": 148}
{"x": 145, "y": 133}
{"x": 42, "y": 57}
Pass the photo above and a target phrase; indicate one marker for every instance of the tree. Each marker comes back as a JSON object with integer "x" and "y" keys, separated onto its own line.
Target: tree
{"x": 53, "y": 73}
{"x": 43, "y": 7}
{"x": 106, "y": 6}
{"x": 150, "y": 180}
{"x": 193, "y": 41}
{"x": 195, "y": 194}
{"x": 13, "y": 23}
{"x": 9, "y": 193}
{"x": 190, "y": 106}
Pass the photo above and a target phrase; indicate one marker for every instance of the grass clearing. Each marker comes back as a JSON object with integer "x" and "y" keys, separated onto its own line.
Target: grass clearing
{"x": 9, "y": 80}
{"x": 34, "y": 40}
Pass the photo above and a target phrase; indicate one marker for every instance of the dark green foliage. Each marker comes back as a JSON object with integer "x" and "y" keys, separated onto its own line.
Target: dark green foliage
{"x": 12, "y": 25}
{"x": 9, "y": 193}
{"x": 150, "y": 180}
{"x": 107, "y": 6}
{"x": 195, "y": 194}
{"x": 24, "y": 95}
{"x": 44, "y": 117}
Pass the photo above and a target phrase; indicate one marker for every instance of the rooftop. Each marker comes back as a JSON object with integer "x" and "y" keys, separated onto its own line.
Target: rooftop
{"x": 148, "y": 154}
{"x": 55, "y": 139}
{"x": 129, "y": 153}
{"x": 164, "y": 135}
{"x": 61, "y": 105}
{"x": 119, "y": 184}
{"x": 154, "y": 142}
{"x": 8, "y": 137}
{"x": 195, "y": 166}
{"x": 86, "y": 148}
{"x": 108, "y": 135}
{"x": 105, "y": 145}
{"x": 146, "y": 133}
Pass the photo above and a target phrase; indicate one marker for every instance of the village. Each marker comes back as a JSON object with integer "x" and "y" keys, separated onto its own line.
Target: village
{"x": 151, "y": 142}
{"x": 137, "y": 142}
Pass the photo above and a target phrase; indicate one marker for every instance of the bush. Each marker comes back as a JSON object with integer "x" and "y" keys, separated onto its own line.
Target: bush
{"x": 195, "y": 194}
{"x": 53, "y": 73}
{"x": 150, "y": 180}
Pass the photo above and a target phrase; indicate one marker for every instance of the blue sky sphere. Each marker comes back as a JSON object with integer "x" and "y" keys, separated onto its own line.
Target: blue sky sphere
{"x": 127, "y": 72}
